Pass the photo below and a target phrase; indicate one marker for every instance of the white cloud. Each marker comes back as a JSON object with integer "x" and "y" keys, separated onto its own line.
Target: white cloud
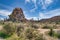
{"x": 27, "y": 1}
{"x": 4, "y": 13}
{"x": 34, "y": 1}
{"x": 33, "y": 10}
{"x": 35, "y": 4}
{"x": 45, "y": 3}
{"x": 29, "y": 17}
{"x": 34, "y": 18}
{"x": 25, "y": 13}
{"x": 1, "y": 18}
{"x": 48, "y": 2}
{"x": 42, "y": 4}
{"x": 49, "y": 14}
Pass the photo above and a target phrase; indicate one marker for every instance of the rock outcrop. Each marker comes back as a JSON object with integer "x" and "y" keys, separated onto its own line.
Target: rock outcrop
{"x": 17, "y": 15}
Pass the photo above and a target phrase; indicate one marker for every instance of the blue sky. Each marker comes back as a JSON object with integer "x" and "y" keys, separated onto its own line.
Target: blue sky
{"x": 32, "y": 8}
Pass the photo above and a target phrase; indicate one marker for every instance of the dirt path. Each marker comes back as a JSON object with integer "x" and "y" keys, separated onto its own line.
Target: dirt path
{"x": 46, "y": 30}
{"x": 43, "y": 31}
{"x": 1, "y": 27}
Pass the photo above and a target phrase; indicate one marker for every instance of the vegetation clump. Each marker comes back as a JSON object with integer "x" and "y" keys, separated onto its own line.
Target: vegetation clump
{"x": 4, "y": 35}
{"x": 9, "y": 29}
{"x": 46, "y": 27}
{"x": 51, "y": 33}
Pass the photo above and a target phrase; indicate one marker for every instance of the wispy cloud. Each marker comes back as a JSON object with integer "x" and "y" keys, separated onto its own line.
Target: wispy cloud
{"x": 4, "y": 13}
{"x": 48, "y": 2}
{"x": 27, "y": 1}
{"x": 1, "y": 18}
{"x": 6, "y": 6}
{"x": 45, "y": 3}
{"x": 49, "y": 14}
{"x": 34, "y": 1}
{"x": 34, "y": 18}
{"x": 35, "y": 4}
{"x": 33, "y": 10}
{"x": 29, "y": 17}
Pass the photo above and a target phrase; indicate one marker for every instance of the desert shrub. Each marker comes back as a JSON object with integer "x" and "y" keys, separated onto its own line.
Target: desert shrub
{"x": 54, "y": 34}
{"x": 32, "y": 34}
{"x": 29, "y": 34}
{"x": 51, "y": 33}
{"x": 57, "y": 22}
{"x": 46, "y": 27}
{"x": 13, "y": 37}
{"x": 39, "y": 37}
{"x": 4, "y": 35}
{"x": 19, "y": 29}
{"x": 57, "y": 34}
{"x": 22, "y": 33}
{"x": 1, "y": 22}
{"x": 9, "y": 29}
{"x": 34, "y": 26}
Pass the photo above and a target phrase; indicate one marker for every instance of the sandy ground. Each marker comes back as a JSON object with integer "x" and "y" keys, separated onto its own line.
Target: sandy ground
{"x": 1, "y": 27}
{"x": 46, "y": 30}
{"x": 43, "y": 31}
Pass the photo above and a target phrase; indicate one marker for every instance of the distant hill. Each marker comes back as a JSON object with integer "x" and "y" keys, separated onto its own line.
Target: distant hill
{"x": 53, "y": 19}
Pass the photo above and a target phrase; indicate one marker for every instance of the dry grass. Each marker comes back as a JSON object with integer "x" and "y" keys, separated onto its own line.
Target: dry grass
{"x": 19, "y": 30}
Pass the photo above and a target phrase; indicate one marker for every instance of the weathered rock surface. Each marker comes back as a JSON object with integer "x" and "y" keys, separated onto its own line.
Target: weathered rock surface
{"x": 17, "y": 15}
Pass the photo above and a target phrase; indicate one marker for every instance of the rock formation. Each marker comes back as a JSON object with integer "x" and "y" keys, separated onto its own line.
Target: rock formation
{"x": 17, "y": 15}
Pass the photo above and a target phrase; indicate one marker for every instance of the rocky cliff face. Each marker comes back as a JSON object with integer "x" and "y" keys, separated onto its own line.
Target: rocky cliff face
{"x": 17, "y": 15}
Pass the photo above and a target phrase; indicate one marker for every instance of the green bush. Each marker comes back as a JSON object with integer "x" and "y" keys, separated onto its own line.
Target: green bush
{"x": 9, "y": 29}
{"x": 46, "y": 27}
{"x": 13, "y": 37}
{"x": 19, "y": 29}
{"x": 39, "y": 37}
{"x": 57, "y": 35}
{"x": 4, "y": 35}
{"x": 28, "y": 33}
{"x": 32, "y": 34}
{"x": 54, "y": 34}
{"x": 34, "y": 26}
{"x": 51, "y": 33}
